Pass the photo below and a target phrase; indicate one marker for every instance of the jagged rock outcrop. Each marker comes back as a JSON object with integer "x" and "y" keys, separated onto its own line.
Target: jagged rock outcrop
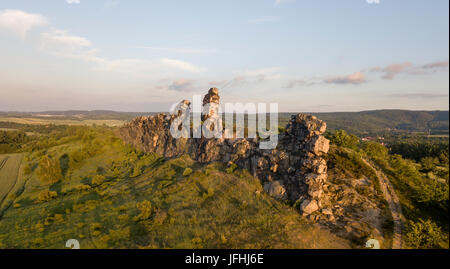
{"x": 294, "y": 170}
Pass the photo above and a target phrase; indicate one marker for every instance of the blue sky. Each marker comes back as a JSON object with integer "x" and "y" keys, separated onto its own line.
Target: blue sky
{"x": 321, "y": 55}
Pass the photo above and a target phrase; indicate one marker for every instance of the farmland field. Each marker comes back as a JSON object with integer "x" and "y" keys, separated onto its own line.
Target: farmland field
{"x": 9, "y": 171}
{"x": 62, "y": 121}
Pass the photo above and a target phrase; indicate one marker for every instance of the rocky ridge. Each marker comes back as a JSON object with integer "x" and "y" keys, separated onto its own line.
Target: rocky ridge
{"x": 295, "y": 170}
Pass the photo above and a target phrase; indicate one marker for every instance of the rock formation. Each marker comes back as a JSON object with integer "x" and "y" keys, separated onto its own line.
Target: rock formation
{"x": 295, "y": 170}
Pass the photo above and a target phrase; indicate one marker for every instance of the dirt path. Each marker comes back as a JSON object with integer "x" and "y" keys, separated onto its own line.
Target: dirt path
{"x": 394, "y": 205}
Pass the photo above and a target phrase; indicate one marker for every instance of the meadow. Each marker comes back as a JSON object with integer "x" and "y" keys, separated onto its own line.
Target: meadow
{"x": 89, "y": 186}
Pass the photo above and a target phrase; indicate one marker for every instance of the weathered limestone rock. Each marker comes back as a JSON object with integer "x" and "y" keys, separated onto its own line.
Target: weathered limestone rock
{"x": 275, "y": 189}
{"x": 309, "y": 206}
{"x": 294, "y": 170}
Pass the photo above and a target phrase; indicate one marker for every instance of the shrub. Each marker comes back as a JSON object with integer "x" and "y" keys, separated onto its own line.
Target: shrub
{"x": 231, "y": 169}
{"x": 27, "y": 169}
{"x": 187, "y": 172}
{"x": 423, "y": 234}
{"x": 208, "y": 193}
{"x": 146, "y": 210}
{"x": 47, "y": 195}
{"x": 49, "y": 170}
{"x": 98, "y": 180}
{"x": 82, "y": 187}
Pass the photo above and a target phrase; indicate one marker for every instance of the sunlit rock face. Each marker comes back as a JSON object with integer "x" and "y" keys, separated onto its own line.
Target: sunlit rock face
{"x": 295, "y": 170}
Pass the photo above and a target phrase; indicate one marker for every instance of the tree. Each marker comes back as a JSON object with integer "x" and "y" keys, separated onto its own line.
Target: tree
{"x": 376, "y": 150}
{"x": 428, "y": 164}
{"x": 341, "y": 138}
{"x": 49, "y": 171}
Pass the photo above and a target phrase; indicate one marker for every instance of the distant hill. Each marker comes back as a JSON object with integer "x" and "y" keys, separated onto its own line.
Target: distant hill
{"x": 380, "y": 121}
{"x": 359, "y": 123}
{"x": 79, "y": 115}
{"x": 383, "y": 121}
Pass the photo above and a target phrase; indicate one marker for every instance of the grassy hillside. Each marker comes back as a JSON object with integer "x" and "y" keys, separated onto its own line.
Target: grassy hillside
{"x": 88, "y": 186}
{"x": 422, "y": 185}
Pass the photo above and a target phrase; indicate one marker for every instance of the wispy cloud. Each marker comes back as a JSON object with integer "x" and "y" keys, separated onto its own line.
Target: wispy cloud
{"x": 70, "y": 2}
{"x": 63, "y": 44}
{"x": 20, "y": 22}
{"x": 182, "y": 85}
{"x": 418, "y": 95}
{"x": 299, "y": 83}
{"x": 192, "y": 51}
{"x": 436, "y": 65}
{"x": 390, "y": 71}
{"x": 60, "y": 39}
{"x": 254, "y": 76}
{"x": 356, "y": 78}
{"x": 181, "y": 65}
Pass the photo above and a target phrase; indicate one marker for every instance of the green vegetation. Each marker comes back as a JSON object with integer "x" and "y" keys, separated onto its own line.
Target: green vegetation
{"x": 421, "y": 183}
{"x": 342, "y": 139}
{"x": 424, "y": 234}
{"x": 387, "y": 121}
{"x": 59, "y": 182}
{"x": 84, "y": 183}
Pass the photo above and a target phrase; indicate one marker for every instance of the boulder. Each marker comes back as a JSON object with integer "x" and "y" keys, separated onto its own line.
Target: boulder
{"x": 309, "y": 206}
{"x": 275, "y": 189}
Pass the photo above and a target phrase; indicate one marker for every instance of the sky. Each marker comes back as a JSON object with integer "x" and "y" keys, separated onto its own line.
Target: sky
{"x": 305, "y": 55}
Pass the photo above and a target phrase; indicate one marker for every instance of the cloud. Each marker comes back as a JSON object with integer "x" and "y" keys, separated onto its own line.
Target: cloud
{"x": 20, "y": 22}
{"x": 63, "y": 44}
{"x": 299, "y": 82}
{"x": 392, "y": 70}
{"x": 60, "y": 39}
{"x": 389, "y": 72}
{"x": 182, "y": 85}
{"x": 179, "y": 50}
{"x": 435, "y": 65}
{"x": 73, "y": 2}
{"x": 217, "y": 83}
{"x": 356, "y": 78}
{"x": 181, "y": 65}
{"x": 418, "y": 95}
{"x": 254, "y": 76}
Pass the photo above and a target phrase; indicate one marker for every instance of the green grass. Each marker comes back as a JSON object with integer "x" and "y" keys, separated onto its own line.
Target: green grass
{"x": 145, "y": 201}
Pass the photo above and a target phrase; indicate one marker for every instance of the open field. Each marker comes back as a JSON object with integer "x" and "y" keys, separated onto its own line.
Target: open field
{"x": 9, "y": 171}
{"x": 62, "y": 121}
